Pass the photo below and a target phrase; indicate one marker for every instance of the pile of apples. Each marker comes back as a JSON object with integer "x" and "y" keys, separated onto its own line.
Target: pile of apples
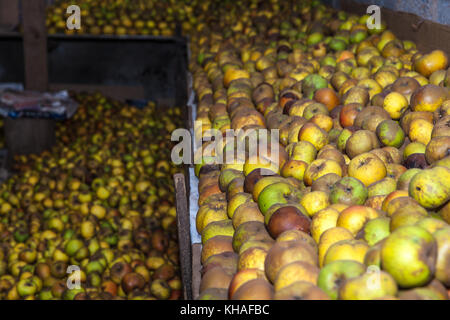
{"x": 124, "y": 17}
{"x": 356, "y": 203}
{"x": 98, "y": 209}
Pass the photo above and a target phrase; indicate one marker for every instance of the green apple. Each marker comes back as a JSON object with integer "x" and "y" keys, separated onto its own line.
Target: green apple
{"x": 368, "y": 286}
{"x": 332, "y": 276}
{"x": 73, "y": 246}
{"x": 406, "y": 177}
{"x": 409, "y": 255}
{"x": 382, "y": 187}
{"x": 390, "y": 133}
{"x": 350, "y": 191}
{"x": 431, "y": 187}
{"x": 376, "y": 230}
{"x": 314, "y": 38}
{"x": 337, "y": 44}
{"x": 312, "y": 83}
{"x": 26, "y": 287}
{"x": 278, "y": 193}
{"x": 46, "y": 294}
{"x": 70, "y": 294}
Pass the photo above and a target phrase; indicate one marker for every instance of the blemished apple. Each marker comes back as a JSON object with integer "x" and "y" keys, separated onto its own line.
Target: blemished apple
{"x": 288, "y": 218}
{"x": 322, "y": 221}
{"x": 332, "y": 276}
{"x": 278, "y": 193}
{"x": 409, "y": 255}
{"x": 375, "y": 230}
{"x": 430, "y": 187}
{"x": 351, "y": 249}
{"x": 349, "y": 191}
{"x": 285, "y": 252}
{"x": 390, "y": 133}
{"x": 367, "y": 168}
{"x": 368, "y": 286}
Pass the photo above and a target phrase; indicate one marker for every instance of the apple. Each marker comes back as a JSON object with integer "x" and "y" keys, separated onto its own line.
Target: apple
{"x": 312, "y": 133}
{"x": 248, "y": 211}
{"x": 26, "y": 287}
{"x": 312, "y": 83}
{"x": 216, "y": 245}
{"x": 236, "y": 201}
{"x": 303, "y": 151}
{"x": 209, "y": 212}
{"x": 319, "y": 168}
{"x": 252, "y": 230}
{"x": 285, "y": 252}
{"x": 373, "y": 255}
{"x": 429, "y": 187}
{"x": 296, "y": 271}
{"x": 390, "y": 133}
{"x": 252, "y": 258}
{"x": 383, "y": 187}
{"x": 216, "y": 277}
{"x": 293, "y": 234}
{"x": 255, "y": 289}
{"x": 409, "y": 255}
{"x": 428, "y": 98}
{"x": 405, "y": 86}
{"x": 227, "y": 260}
{"x": 314, "y": 201}
{"x": 367, "y": 168}
{"x": 333, "y": 275}
{"x": 441, "y": 127}
{"x": 431, "y": 62}
{"x": 351, "y": 249}
{"x": 301, "y": 290}
{"x": 349, "y": 191}
{"x": 216, "y": 228}
{"x": 287, "y": 218}
{"x": 354, "y": 218}
{"x": 330, "y": 237}
{"x": 395, "y": 104}
{"x": 242, "y": 277}
{"x": 281, "y": 192}
{"x": 322, "y": 221}
{"x": 348, "y": 114}
{"x": 368, "y": 286}
{"x": 325, "y": 183}
{"x": 264, "y": 182}
{"x": 294, "y": 168}
{"x": 437, "y": 149}
{"x": 253, "y": 177}
{"x": 375, "y": 230}
{"x": 361, "y": 141}
{"x": 328, "y": 97}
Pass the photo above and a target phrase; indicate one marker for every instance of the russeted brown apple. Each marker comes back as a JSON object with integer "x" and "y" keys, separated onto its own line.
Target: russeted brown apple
{"x": 288, "y": 218}
{"x": 285, "y": 252}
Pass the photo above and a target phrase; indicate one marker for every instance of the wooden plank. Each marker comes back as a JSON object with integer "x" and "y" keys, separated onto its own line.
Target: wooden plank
{"x": 196, "y": 269}
{"x": 35, "y": 45}
{"x": 9, "y": 14}
{"x": 184, "y": 236}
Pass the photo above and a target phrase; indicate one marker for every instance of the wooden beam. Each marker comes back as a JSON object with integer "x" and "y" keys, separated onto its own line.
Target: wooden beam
{"x": 184, "y": 234}
{"x": 35, "y": 45}
{"x": 9, "y": 14}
